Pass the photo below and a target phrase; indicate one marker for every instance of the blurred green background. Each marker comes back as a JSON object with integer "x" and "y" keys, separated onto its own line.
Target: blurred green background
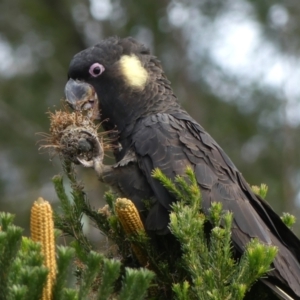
{"x": 234, "y": 65}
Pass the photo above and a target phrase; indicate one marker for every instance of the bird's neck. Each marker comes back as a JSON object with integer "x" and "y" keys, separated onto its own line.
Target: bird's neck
{"x": 129, "y": 106}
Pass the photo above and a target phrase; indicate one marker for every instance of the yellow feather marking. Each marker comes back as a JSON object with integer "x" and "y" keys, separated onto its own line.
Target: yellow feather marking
{"x": 135, "y": 74}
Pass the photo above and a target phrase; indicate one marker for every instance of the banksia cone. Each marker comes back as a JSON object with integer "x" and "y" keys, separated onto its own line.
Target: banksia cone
{"x": 132, "y": 224}
{"x": 42, "y": 230}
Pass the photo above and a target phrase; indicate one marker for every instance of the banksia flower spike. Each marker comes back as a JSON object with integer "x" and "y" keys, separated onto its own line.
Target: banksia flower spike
{"x": 42, "y": 230}
{"x": 132, "y": 224}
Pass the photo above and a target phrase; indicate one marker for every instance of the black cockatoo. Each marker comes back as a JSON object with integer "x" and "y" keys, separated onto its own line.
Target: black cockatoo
{"x": 129, "y": 87}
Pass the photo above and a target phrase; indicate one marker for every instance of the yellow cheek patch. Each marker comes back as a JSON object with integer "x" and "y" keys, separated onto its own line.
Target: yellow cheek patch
{"x": 134, "y": 73}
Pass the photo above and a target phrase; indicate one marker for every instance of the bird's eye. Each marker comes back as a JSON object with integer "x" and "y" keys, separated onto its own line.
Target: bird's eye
{"x": 96, "y": 69}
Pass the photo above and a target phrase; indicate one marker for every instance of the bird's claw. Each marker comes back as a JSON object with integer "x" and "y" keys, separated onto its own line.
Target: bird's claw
{"x": 96, "y": 161}
{"x": 97, "y": 145}
{"x": 86, "y": 163}
{"x": 88, "y": 133}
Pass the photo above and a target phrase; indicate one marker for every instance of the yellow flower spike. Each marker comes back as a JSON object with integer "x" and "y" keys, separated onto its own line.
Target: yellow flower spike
{"x": 42, "y": 230}
{"x": 132, "y": 224}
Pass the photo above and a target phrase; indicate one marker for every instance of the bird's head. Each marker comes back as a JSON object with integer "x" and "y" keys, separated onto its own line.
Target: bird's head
{"x": 122, "y": 78}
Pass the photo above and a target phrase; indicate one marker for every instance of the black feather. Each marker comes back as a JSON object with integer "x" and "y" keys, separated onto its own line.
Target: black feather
{"x": 162, "y": 135}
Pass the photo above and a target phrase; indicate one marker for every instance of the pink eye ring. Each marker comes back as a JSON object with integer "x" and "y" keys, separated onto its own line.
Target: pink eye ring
{"x": 96, "y": 69}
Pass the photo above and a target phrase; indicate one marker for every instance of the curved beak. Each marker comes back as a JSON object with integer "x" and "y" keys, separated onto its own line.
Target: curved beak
{"x": 80, "y": 95}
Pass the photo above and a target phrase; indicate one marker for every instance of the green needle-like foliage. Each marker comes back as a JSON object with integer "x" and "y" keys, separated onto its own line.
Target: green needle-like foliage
{"x": 288, "y": 219}
{"x": 261, "y": 190}
{"x": 92, "y": 262}
{"x": 110, "y": 273}
{"x": 182, "y": 290}
{"x": 207, "y": 256}
{"x": 194, "y": 261}
{"x": 18, "y": 292}
{"x": 135, "y": 284}
{"x": 70, "y": 222}
{"x": 97, "y": 275}
{"x": 10, "y": 242}
{"x": 70, "y": 294}
{"x": 22, "y": 274}
{"x": 65, "y": 255}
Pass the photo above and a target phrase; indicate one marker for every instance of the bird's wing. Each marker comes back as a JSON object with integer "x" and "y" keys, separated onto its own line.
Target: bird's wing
{"x": 165, "y": 142}
{"x": 173, "y": 142}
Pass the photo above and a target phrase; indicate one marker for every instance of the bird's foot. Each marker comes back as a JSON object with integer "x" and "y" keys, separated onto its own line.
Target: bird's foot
{"x": 86, "y": 163}
{"x": 97, "y": 154}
